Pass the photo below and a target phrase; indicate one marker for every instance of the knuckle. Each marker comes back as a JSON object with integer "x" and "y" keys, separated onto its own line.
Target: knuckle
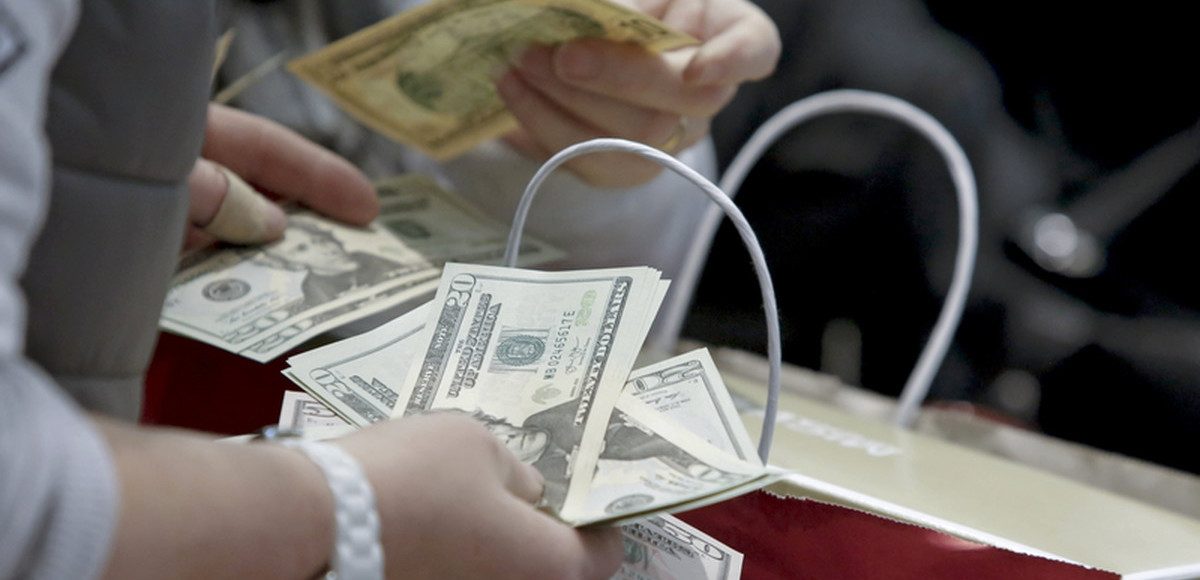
{"x": 708, "y": 101}
{"x": 566, "y": 566}
{"x": 657, "y": 129}
{"x": 632, "y": 83}
{"x": 628, "y": 69}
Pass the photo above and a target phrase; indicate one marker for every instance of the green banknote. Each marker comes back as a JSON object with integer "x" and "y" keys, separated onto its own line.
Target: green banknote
{"x": 262, "y": 301}
{"x": 425, "y": 77}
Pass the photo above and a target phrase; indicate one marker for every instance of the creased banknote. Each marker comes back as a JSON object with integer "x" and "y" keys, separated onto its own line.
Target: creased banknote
{"x": 359, "y": 378}
{"x": 425, "y": 77}
{"x": 262, "y": 301}
{"x": 649, "y": 464}
{"x": 672, "y": 441}
{"x": 666, "y": 548}
{"x": 659, "y": 547}
{"x": 540, "y": 357}
{"x": 688, "y": 390}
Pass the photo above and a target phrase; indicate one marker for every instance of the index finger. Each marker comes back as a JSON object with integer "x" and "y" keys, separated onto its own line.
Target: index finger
{"x": 631, "y": 73}
{"x": 559, "y": 550}
{"x": 744, "y": 49}
{"x": 279, "y": 160}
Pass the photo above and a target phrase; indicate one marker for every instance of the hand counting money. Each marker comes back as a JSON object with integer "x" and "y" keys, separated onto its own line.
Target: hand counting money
{"x": 425, "y": 77}
{"x": 262, "y": 301}
{"x": 543, "y": 359}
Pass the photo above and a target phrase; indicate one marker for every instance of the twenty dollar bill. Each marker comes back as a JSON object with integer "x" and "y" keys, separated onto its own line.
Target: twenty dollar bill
{"x": 261, "y": 301}
{"x": 541, "y": 357}
{"x": 666, "y": 548}
{"x": 674, "y": 439}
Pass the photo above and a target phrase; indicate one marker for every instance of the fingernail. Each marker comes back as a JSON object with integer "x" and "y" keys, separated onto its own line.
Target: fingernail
{"x": 274, "y": 221}
{"x": 697, "y": 75}
{"x": 245, "y": 216}
{"x": 536, "y": 61}
{"x": 702, "y": 70}
{"x": 535, "y": 474}
{"x": 509, "y": 86}
{"x": 577, "y": 63}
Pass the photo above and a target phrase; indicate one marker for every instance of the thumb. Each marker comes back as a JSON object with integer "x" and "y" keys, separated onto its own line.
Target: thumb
{"x": 227, "y": 208}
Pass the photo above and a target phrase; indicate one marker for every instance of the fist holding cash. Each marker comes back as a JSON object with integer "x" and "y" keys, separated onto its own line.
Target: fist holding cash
{"x": 592, "y": 88}
{"x": 447, "y": 75}
{"x": 469, "y": 514}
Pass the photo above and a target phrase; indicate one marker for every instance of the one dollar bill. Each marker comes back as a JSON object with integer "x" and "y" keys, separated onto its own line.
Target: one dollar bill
{"x": 425, "y": 77}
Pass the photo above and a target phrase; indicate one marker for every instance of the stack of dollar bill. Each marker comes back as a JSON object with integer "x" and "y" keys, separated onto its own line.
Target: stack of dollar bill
{"x": 263, "y": 301}
{"x": 542, "y": 358}
{"x": 545, "y": 360}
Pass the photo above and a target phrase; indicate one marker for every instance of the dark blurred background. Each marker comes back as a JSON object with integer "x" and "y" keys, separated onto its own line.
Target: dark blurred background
{"x": 1081, "y": 124}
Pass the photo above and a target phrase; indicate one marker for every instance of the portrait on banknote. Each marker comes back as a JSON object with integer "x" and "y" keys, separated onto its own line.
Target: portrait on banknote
{"x": 329, "y": 269}
{"x": 548, "y": 439}
{"x": 260, "y": 301}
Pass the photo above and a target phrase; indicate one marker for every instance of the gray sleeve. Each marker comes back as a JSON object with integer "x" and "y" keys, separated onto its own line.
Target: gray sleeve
{"x": 58, "y": 490}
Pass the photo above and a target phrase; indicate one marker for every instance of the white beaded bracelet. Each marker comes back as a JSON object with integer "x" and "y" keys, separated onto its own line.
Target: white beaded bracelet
{"x": 357, "y": 553}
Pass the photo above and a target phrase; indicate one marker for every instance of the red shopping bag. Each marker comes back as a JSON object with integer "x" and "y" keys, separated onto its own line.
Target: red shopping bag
{"x": 191, "y": 384}
{"x": 798, "y": 539}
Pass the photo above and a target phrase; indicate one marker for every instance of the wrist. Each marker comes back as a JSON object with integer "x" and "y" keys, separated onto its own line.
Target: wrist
{"x": 356, "y": 552}
{"x": 314, "y": 506}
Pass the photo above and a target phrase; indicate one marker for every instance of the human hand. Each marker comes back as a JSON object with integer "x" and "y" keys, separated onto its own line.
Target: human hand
{"x": 455, "y": 503}
{"x": 277, "y": 160}
{"x": 594, "y": 88}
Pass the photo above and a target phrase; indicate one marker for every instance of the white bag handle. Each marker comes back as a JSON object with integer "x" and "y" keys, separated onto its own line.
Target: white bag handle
{"x": 840, "y": 101}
